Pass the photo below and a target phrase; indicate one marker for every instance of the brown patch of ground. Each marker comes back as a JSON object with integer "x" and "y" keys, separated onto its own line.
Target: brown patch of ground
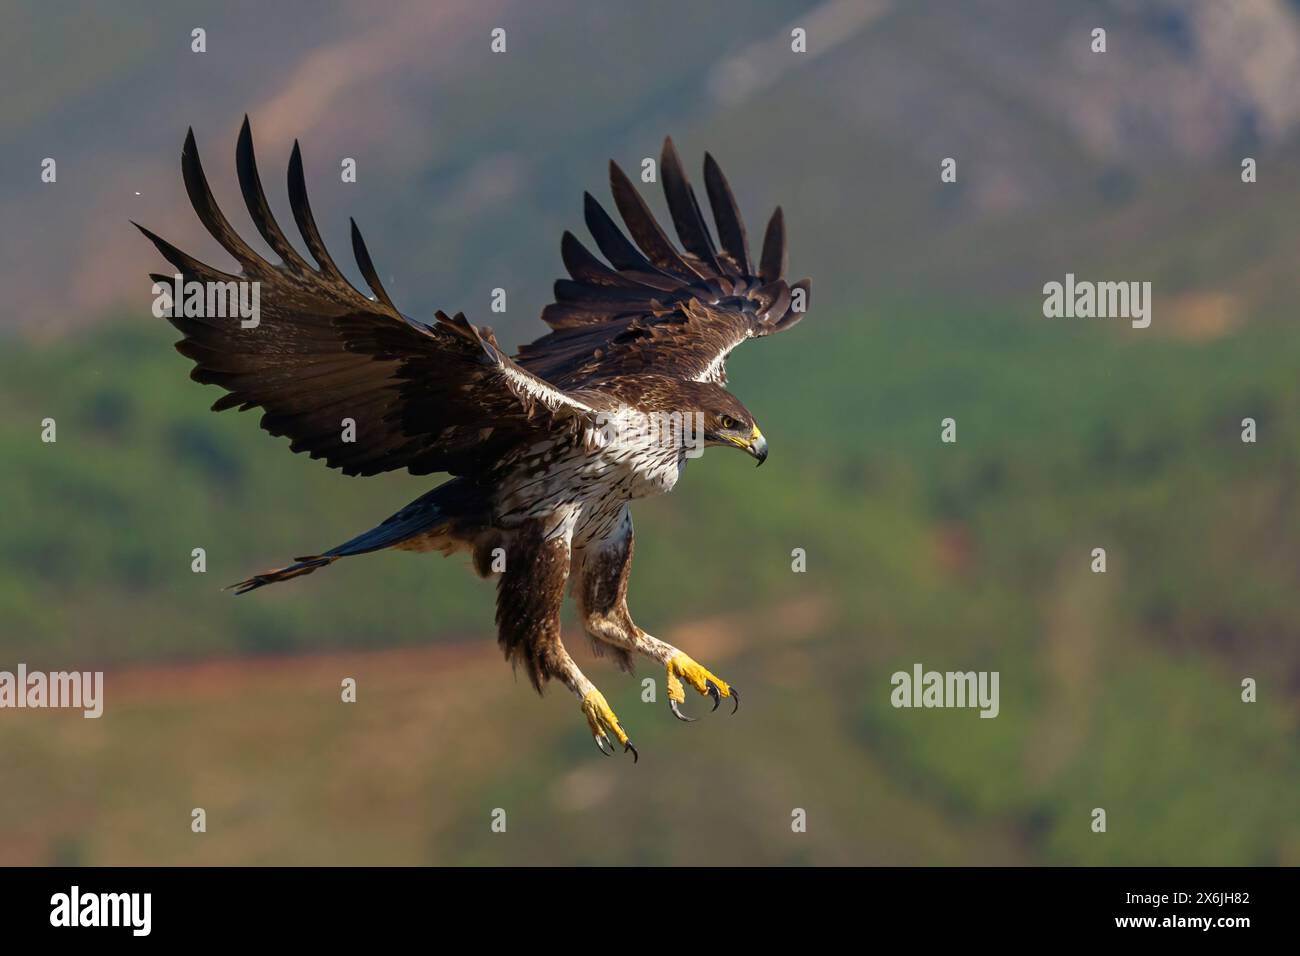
{"x": 1198, "y": 317}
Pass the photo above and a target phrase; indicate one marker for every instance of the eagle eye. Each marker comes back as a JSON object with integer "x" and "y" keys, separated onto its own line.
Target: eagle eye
{"x": 729, "y": 422}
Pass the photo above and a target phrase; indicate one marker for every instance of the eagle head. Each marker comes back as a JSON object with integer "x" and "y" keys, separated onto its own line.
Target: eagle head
{"x": 725, "y": 420}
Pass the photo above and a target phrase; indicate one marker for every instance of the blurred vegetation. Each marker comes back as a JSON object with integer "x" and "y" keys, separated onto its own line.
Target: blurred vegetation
{"x": 1118, "y": 690}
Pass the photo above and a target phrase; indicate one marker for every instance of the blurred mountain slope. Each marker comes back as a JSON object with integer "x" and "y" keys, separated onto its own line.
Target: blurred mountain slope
{"x": 471, "y": 164}
{"x": 1119, "y": 690}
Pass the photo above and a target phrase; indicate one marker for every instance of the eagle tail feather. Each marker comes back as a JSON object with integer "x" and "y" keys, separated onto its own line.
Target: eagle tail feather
{"x": 300, "y": 567}
{"x": 456, "y": 502}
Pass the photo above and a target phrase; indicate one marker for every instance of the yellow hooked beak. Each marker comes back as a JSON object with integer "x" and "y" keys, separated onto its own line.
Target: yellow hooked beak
{"x": 755, "y": 445}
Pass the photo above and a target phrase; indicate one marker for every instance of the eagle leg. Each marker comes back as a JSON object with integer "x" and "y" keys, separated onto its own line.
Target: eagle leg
{"x": 602, "y": 603}
{"x": 529, "y": 595}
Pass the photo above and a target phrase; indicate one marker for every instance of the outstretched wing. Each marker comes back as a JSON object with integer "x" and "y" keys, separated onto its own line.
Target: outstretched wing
{"x": 658, "y": 308}
{"x": 425, "y": 397}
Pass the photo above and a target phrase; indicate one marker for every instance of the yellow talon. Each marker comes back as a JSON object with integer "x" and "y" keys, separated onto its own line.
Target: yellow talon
{"x": 683, "y": 667}
{"x": 603, "y": 721}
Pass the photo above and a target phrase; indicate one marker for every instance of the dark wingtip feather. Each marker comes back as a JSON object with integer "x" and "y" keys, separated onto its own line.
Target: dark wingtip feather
{"x": 210, "y": 214}
{"x": 646, "y": 232}
{"x": 183, "y": 261}
{"x": 731, "y": 228}
{"x": 259, "y": 210}
{"x": 791, "y": 317}
{"x": 244, "y": 146}
{"x": 159, "y": 243}
{"x": 772, "y": 264}
{"x": 306, "y": 222}
{"x": 583, "y": 266}
{"x": 615, "y": 246}
{"x": 685, "y": 209}
{"x": 368, "y": 267}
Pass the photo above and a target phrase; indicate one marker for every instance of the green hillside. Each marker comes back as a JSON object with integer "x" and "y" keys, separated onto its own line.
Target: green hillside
{"x": 1118, "y": 690}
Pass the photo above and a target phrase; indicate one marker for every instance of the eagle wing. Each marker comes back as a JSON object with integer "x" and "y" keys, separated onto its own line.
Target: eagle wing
{"x": 654, "y": 307}
{"x": 425, "y": 397}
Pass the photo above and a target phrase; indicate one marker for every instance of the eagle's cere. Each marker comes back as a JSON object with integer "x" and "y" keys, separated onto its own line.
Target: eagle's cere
{"x": 638, "y": 338}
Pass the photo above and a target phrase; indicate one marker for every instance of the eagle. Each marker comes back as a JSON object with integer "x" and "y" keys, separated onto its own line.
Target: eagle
{"x": 545, "y": 449}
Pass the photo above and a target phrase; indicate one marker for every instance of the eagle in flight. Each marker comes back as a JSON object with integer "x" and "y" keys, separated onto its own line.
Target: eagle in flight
{"x": 546, "y": 448}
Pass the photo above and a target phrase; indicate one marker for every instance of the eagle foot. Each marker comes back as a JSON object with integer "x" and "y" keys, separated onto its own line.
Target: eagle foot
{"x": 682, "y": 667}
{"x": 604, "y": 724}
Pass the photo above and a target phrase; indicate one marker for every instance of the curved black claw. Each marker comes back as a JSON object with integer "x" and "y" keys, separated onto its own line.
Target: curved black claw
{"x": 735, "y": 705}
{"x": 677, "y": 713}
{"x": 602, "y": 742}
{"x": 628, "y": 746}
{"x": 716, "y": 694}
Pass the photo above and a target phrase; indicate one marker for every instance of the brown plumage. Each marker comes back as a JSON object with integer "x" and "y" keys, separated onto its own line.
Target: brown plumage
{"x": 679, "y": 313}
{"x": 541, "y": 490}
